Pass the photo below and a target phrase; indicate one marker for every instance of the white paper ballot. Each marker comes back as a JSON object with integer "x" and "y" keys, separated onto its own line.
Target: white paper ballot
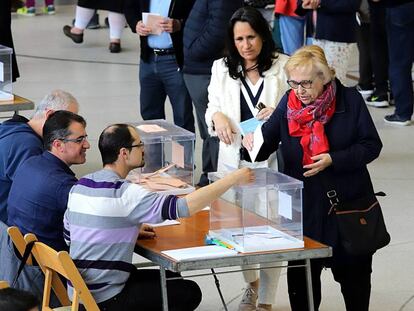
{"x": 152, "y": 20}
{"x": 1, "y": 72}
{"x": 257, "y": 143}
{"x": 249, "y": 126}
{"x": 209, "y": 251}
{"x": 168, "y": 222}
{"x": 285, "y": 205}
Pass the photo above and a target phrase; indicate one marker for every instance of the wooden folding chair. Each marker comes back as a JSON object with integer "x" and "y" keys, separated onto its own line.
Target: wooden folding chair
{"x": 55, "y": 263}
{"x": 20, "y": 243}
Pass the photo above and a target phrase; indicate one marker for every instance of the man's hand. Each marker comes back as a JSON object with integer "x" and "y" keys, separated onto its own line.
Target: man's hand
{"x": 244, "y": 175}
{"x": 170, "y": 25}
{"x": 247, "y": 141}
{"x": 146, "y": 232}
{"x": 322, "y": 161}
{"x": 142, "y": 30}
{"x": 223, "y": 128}
{"x": 311, "y": 4}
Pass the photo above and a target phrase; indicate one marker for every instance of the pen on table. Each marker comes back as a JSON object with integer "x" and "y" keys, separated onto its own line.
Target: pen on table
{"x": 221, "y": 243}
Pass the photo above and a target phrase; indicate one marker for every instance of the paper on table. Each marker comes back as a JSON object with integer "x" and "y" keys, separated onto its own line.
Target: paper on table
{"x": 285, "y": 205}
{"x": 168, "y": 222}
{"x": 210, "y": 251}
{"x": 152, "y": 21}
{"x": 177, "y": 154}
{"x": 151, "y": 128}
{"x": 257, "y": 143}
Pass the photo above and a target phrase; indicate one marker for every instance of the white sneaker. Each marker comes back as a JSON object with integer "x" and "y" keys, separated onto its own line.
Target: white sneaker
{"x": 249, "y": 300}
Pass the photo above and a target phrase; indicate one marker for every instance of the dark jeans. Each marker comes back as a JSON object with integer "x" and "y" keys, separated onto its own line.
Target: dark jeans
{"x": 143, "y": 292}
{"x": 197, "y": 87}
{"x": 379, "y": 46}
{"x": 365, "y": 64}
{"x": 354, "y": 278}
{"x": 161, "y": 77}
{"x": 400, "y": 27}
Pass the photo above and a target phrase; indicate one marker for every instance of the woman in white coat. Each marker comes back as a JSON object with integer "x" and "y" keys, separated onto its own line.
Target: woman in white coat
{"x": 250, "y": 73}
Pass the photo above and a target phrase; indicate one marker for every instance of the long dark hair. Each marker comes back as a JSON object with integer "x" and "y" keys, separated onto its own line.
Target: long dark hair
{"x": 259, "y": 24}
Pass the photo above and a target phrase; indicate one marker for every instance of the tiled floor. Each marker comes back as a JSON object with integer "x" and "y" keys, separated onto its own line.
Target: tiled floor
{"x": 106, "y": 86}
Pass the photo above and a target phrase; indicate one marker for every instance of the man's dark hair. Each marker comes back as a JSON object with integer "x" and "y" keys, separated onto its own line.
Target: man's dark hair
{"x": 57, "y": 126}
{"x": 259, "y": 24}
{"x": 112, "y": 139}
{"x": 12, "y": 299}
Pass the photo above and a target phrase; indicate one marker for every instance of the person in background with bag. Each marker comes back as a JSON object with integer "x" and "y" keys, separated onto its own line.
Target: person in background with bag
{"x": 324, "y": 129}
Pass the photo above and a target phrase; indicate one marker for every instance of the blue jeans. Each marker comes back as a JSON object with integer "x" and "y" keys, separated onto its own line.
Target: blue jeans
{"x": 161, "y": 77}
{"x": 291, "y": 33}
{"x": 400, "y": 28}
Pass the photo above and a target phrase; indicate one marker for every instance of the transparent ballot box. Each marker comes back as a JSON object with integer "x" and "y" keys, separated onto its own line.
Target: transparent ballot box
{"x": 6, "y": 90}
{"x": 168, "y": 156}
{"x": 261, "y": 216}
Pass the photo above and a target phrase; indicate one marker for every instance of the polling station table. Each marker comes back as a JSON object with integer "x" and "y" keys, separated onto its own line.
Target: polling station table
{"x": 192, "y": 232}
{"x": 15, "y": 105}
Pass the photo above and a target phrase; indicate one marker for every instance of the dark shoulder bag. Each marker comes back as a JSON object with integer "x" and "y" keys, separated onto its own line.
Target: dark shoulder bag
{"x": 360, "y": 222}
{"x": 259, "y": 4}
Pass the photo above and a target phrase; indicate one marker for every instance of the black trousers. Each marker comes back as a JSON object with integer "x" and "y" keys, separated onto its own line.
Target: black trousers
{"x": 379, "y": 46}
{"x": 354, "y": 278}
{"x": 364, "y": 48}
{"x": 143, "y": 292}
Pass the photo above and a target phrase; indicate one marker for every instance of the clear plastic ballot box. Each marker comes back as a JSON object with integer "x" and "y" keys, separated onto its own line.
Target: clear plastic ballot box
{"x": 6, "y": 90}
{"x": 261, "y": 216}
{"x": 168, "y": 156}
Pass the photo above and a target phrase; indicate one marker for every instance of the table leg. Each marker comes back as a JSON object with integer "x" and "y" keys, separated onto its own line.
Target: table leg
{"x": 164, "y": 289}
{"x": 309, "y": 284}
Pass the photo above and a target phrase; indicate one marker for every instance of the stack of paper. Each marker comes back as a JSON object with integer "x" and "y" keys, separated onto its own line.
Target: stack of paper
{"x": 210, "y": 251}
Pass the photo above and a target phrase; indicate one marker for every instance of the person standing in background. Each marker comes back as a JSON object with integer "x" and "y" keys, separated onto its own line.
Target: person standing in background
{"x": 29, "y": 9}
{"x": 203, "y": 44}
{"x": 162, "y": 59}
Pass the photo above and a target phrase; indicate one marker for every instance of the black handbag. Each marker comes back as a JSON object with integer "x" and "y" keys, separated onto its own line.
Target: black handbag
{"x": 360, "y": 222}
{"x": 259, "y": 4}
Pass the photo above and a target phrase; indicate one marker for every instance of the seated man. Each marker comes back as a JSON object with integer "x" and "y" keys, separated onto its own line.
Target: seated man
{"x": 104, "y": 215}
{"x": 21, "y": 138}
{"x": 39, "y": 193}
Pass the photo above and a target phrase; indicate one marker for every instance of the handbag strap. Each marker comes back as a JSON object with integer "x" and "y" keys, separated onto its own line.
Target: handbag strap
{"x": 26, "y": 255}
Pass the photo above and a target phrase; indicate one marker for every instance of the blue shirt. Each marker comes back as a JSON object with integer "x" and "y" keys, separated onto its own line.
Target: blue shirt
{"x": 18, "y": 142}
{"x": 38, "y": 198}
{"x": 162, "y": 41}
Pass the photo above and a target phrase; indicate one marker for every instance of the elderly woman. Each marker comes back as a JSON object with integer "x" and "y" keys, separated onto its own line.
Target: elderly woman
{"x": 324, "y": 129}
{"x": 250, "y": 73}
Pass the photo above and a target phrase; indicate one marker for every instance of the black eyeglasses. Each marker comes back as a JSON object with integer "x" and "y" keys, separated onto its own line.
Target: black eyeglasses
{"x": 78, "y": 140}
{"x": 141, "y": 144}
{"x": 306, "y": 84}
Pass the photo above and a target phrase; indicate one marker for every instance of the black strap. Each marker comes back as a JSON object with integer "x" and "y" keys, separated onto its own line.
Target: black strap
{"x": 27, "y": 252}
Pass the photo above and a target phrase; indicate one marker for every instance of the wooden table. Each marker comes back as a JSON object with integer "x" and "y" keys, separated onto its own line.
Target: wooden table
{"x": 192, "y": 231}
{"x": 17, "y": 104}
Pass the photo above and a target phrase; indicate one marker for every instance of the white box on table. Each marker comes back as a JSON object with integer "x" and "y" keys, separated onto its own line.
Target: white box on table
{"x": 6, "y": 89}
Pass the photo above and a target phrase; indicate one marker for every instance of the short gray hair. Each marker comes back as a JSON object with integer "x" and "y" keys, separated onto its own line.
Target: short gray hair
{"x": 55, "y": 100}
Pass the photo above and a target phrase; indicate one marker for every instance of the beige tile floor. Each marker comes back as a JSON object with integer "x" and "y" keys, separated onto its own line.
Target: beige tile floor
{"x": 106, "y": 86}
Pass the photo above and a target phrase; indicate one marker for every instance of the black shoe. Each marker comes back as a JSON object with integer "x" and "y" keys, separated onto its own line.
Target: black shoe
{"x": 77, "y": 38}
{"x": 114, "y": 47}
{"x": 397, "y": 120}
{"x": 379, "y": 100}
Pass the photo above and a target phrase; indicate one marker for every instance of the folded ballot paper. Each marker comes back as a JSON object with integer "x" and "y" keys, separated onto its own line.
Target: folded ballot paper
{"x": 209, "y": 251}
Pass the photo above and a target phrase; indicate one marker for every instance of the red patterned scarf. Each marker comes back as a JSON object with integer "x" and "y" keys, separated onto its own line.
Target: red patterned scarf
{"x": 308, "y": 122}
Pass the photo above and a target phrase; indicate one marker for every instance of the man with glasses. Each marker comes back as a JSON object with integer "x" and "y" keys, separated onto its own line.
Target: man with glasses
{"x": 39, "y": 193}
{"x": 105, "y": 215}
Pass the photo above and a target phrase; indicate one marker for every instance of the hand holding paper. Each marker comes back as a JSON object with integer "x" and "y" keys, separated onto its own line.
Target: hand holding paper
{"x": 153, "y": 22}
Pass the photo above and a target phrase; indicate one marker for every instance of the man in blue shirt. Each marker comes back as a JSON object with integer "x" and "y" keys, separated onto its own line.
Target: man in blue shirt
{"x": 161, "y": 59}
{"x": 39, "y": 193}
{"x": 21, "y": 138}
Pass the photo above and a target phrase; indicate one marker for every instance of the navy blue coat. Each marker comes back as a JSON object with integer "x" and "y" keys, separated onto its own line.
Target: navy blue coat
{"x": 204, "y": 33}
{"x": 336, "y": 20}
{"x": 354, "y": 142}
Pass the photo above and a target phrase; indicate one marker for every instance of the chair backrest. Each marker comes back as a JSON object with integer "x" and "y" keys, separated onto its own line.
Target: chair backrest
{"x": 54, "y": 263}
{"x": 18, "y": 240}
{"x": 4, "y": 284}
{"x": 20, "y": 243}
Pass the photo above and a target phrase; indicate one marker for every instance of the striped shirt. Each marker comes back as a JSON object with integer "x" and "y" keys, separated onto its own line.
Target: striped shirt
{"x": 102, "y": 224}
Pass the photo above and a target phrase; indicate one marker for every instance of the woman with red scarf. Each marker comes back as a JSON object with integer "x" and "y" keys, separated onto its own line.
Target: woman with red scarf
{"x": 323, "y": 128}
